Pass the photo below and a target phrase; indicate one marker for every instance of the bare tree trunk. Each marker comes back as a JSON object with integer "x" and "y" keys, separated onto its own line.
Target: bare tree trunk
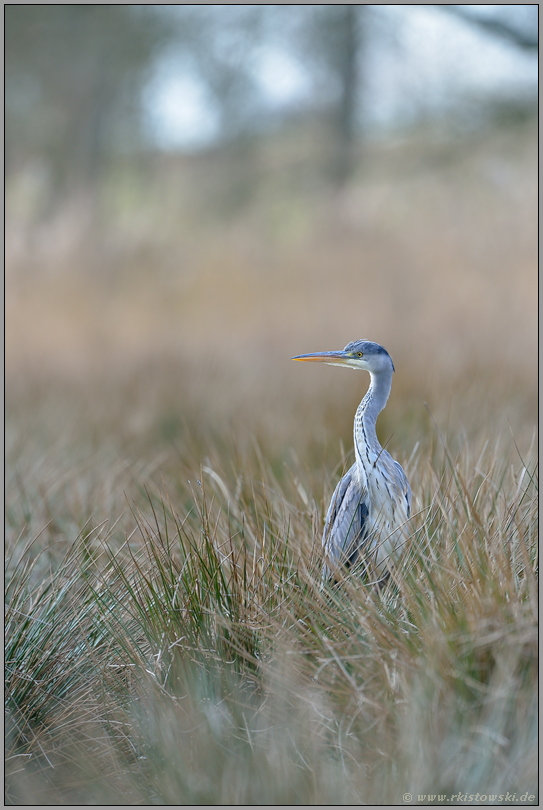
{"x": 345, "y": 117}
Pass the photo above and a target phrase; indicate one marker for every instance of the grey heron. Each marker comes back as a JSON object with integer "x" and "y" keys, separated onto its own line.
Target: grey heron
{"x": 367, "y": 518}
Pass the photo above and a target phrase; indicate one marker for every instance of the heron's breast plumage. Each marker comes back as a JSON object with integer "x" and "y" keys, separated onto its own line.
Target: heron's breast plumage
{"x": 367, "y": 517}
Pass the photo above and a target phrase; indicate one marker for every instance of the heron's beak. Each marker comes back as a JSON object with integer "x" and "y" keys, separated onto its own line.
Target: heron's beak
{"x": 337, "y": 358}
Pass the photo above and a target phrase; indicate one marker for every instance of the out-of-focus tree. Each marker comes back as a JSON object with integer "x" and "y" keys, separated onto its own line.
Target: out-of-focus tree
{"x": 518, "y": 25}
{"x": 76, "y": 76}
{"x": 333, "y": 41}
{"x": 73, "y": 84}
{"x": 221, "y": 47}
{"x": 343, "y": 44}
{"x": 330, "y": 40}
{"x": 219, "y": 43}
{"x": 217, "y": 47}
{"x": 326, "y": 40}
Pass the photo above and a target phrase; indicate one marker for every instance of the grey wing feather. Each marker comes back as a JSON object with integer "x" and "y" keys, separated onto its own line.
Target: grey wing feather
{"x": 346, "y": 523}
{"x": 404, "y": 484}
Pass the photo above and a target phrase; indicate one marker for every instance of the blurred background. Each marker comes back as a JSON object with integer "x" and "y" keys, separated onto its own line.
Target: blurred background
{"x": 196, "y": 193}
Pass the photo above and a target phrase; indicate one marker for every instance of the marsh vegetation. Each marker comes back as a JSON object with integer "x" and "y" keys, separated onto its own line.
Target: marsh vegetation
{"x": 168, "y": 470}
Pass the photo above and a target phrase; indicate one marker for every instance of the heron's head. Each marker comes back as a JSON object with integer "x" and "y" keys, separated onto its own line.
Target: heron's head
{"x": 364, "y": 354}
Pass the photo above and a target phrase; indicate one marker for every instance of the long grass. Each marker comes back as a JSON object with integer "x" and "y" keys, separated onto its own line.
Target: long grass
{"x": 202, "y": 662}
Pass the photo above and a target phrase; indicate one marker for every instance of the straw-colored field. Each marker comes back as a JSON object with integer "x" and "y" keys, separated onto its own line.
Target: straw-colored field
{"x": 168, "y": 469}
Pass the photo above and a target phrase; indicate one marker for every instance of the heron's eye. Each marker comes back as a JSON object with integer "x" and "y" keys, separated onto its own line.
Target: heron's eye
{"x": 359, "y": 354}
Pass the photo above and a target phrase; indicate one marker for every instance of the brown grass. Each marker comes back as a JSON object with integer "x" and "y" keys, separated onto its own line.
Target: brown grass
{"x": 154, "y": 343}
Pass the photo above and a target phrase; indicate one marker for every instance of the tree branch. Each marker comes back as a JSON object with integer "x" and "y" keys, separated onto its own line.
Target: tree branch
{"x": 526, "y": 39}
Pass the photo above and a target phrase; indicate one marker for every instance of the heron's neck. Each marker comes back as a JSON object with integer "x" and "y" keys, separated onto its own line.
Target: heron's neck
{"x": 366, "y": 443}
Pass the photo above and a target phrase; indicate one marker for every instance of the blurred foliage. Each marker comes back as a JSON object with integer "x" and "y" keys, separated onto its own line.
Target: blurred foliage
{"x": 76, "y": 77}
{"x": 516, "y": 24}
